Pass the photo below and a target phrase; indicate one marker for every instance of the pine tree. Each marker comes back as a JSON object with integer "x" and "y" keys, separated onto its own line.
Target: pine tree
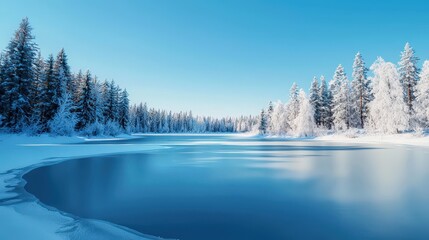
{"x": 49, "y": 103}
{"x": 99, "y": 100}
{"x": 422, "y": 97}
{"x": 270, "y": 116}
{"x": 37, "y": 90}
{"x": 388, "y": 110}
{"x": 62, "y": 74}
{"x": 315, "y": 100}
{"x": 76, "y": 88}
{"x": 278, "y": 120}
{"x": 124, "y": 110}
{"x": 18, "y": 76}
{"x": 3, "y": 102}
{"x": 324, "y": 108}
{"x": 145, "y": 119}
{"x": 292, "y": 107}
{"x": 409, "y": 74}
{"x": 304, "y": 122}
{"x": 86, "y": 108}
{"x": 111, "y": 101}
{"x": 361, "y": 92}
{"x": 262, "y": 123}
{"x": 340, "y": 99}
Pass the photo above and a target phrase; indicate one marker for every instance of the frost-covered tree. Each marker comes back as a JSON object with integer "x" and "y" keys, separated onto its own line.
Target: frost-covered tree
{"x": 409, "y": 75}
{"x": 269, "y": 116}
{"x": 37, "y": 90}
{"x": 304, "y": 122}
{"x": 124, "y": 110}
{"x": 62, "y": 74}
{"x": 292, "y": 107}
{"x": 360, "y": 94}
{"x": 325, "y": 105}
{"x": 422, "y": 97}
{"x": 3, "y": 102}
{"x": 49, "y": 102}
{"x": 388, "y": 110}
{"x": 315, "y": 100}
{"x": 99, "y": 100}
{"x": 279, "y": 123}
{"x": 340, "y": 99}
{"x": 76, "y": 87}
{"x": 64, "y": 121}
{"x": 111, "y": 102}
{"x": 263, "y": 123}
{"x": 86, "y": 108}
{"x": 18, "y": 76}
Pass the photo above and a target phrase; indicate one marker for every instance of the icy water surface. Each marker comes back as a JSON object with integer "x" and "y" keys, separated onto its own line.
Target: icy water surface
{"x": 229, "y": 187}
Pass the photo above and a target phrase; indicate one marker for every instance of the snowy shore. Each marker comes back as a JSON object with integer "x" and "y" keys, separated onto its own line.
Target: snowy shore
{"x": 23, "y": 217}
{"x": 398, "y": 139}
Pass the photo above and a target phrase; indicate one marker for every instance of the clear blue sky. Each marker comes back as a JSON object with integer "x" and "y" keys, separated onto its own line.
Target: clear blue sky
{"x": 218, "y": 57}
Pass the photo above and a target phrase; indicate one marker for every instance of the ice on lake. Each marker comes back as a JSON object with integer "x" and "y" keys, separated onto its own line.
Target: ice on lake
{"x": 229, "y": 187}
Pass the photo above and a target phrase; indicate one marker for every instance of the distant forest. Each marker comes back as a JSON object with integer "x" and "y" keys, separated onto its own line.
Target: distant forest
{"x": 40, "y": 95}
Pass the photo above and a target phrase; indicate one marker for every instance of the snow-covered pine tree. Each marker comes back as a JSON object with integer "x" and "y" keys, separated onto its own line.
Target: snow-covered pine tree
{"x": 269, "y": 116}
{"x": 315, "y": 100}
{"x": 422, "y": 97}
{"x": 145, "y": 119}
{"x": 111, "y": 101}
{"x": 409, "y": 75}
{"x": 49, "y": 104}
{"x": 304, "y": 122}
{"x": 325, "y": 111}
{"x": 18, "y": 76}
{"x": 99, "y": 100}
{"x": 340, "y": 99}
{"x": 64, "y": 121}
{"x": 166, "y": 123}
{"x": 76, "y": 88}
{"x": 360, "y": 94}
{"x": 3, "y": 102}
{"x": 124, "y": 110}
{"x": 278, "y": 120}
{"x": 153, "y": 121}
{"x": 86, "y": 108}
{"x": 62, "y": 74}
{"x": 388, "y": 110}
{"x": 292, "y": 107}
{"x": 37, "y": 90}
{"x": 262, "y": 123}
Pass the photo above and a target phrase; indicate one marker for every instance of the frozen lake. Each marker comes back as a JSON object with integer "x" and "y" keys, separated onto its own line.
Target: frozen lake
{"x": 231, "y": 187}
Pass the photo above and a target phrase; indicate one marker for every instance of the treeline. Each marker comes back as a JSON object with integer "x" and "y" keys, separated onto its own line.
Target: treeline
{"x": 144, "y": 120}
{"x": 43, "y": 96}
{"x": 393, "y": 99}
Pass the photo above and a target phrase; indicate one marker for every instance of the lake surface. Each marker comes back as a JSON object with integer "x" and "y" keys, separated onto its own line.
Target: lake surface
{"x": 231, "y": 187}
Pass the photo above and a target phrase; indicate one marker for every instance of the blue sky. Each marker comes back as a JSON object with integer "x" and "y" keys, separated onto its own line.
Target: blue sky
{"x": 220, "y": 57}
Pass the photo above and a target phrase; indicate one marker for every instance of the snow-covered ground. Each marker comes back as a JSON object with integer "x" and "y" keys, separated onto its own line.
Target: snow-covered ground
{"x": 21, "y": 215}
{"x": 401, "y": 139}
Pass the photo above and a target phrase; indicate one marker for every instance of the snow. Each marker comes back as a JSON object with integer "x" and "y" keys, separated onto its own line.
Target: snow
{"x": 397, "y": 139}
{"x": 23, "y": 217}
{"x": 350, "y": 137}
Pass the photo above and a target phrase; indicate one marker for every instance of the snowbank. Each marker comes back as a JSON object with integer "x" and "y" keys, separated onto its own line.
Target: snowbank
{"x": 400, "y": 139}
{"x": 23, "y": 217}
